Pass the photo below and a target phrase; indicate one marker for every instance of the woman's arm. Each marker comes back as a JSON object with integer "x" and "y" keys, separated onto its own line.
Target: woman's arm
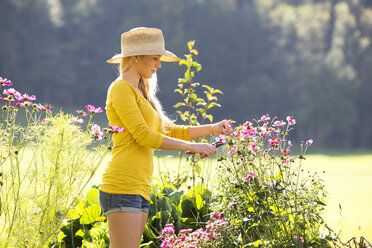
{"x": 182, "y": 145}
{"x": 218, "y": 128}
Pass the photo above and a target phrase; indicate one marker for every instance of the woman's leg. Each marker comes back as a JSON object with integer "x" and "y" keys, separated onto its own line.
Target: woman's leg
{"x": 125, "y": 229}
{"x": 144, "y": 220}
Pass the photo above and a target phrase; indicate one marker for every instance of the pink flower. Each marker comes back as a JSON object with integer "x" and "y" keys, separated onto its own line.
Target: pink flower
{"x": 19, "y": 105}
{"x": 168, "y": 230}
{"x": 12, "y": 92}
{"x": 45, "y": 121}
{"x": 93, "y": 110}
{"x": 26, "y": 97}
{"x": 302, "y": 239}
{"x": 230, "y": 206}
{"x": 117, "y": 129}
{"x": 215, "y": 215}
{"x": 309, "y": 142}
{"x": 286, "y": 152}
{"x": 233, "y": 150}
{"x": 182, "y": 231}
{"x": 295, "y": 237}
{"x": 96, "y": 130}
{"x": 247, "y": 178}
{"x": 82, "y": 112}
{"x": 289, "y": 143}
{"x": 278, "y": 124}
{"x": 290, "y": 120}
{"x": 264, "y": 118}
{"x": 274, "y": 141}
{"x": 76, "y": 120}
{"x": 4, "y": 81}
{"x": 44, "y": 109}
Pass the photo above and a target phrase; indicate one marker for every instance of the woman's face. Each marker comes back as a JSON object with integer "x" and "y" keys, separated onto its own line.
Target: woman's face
{"x": 147, "y": 65}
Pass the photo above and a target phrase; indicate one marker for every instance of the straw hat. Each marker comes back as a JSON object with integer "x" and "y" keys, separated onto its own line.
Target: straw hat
{"x": 143, "y": 41}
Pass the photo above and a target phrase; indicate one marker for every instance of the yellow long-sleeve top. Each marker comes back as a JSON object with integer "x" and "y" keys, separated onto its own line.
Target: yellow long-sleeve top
{"x": 131, "y": 166}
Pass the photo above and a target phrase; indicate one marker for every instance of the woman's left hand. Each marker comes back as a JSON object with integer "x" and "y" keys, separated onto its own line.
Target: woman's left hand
{"x": 222, "y": 127}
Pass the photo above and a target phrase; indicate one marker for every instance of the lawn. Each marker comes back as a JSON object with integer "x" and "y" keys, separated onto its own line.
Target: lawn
{"x": 348, "y": 181}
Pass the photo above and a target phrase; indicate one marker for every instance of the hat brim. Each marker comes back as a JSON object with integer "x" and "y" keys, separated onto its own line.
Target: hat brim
{"x": 166, "y": 56}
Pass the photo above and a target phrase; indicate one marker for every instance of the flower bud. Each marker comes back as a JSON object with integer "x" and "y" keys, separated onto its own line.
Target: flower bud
{"x": 5, "y": 108}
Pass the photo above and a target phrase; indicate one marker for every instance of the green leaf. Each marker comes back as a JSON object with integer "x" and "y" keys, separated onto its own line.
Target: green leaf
{"x": 217, "y": 91}
{"x": 183, "y": 62}
{"x": 210, "y": 89}
{"x": 179, "y": 105}
{"x": 187, "y": 76}
{"x": 92, "y": 197}
{"x": 90, "y": 214}
{"x": 79, "y": 233}
{"x": 210, "y": 117}
{"x": 213, "y": 104}
{"x": 179, "y": 91}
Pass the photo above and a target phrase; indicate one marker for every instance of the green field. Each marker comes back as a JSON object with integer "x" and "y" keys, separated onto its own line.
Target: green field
{"x": 348, "y": 181}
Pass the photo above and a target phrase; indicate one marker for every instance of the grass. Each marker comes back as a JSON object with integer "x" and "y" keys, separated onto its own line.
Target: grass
{"x": 347, "y": 178}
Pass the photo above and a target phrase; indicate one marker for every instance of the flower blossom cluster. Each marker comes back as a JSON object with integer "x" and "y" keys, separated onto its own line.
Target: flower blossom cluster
{"x": 192, "y": 239}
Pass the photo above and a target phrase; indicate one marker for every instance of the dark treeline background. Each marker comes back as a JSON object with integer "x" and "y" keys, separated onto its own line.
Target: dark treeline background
{"x": 308, "y": 58}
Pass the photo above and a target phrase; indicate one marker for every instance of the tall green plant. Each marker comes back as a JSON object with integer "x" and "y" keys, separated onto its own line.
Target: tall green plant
{"x": 46, "y": 161}
{"x": 193, "y": 109}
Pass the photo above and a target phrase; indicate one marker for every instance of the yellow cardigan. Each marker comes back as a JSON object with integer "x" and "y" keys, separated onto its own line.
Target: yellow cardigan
{"x": 131, "y": 166}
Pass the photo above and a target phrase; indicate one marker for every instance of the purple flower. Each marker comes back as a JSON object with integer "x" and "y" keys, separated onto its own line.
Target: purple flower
{"x": 96, "y": 130}
{"x": 93, "y": 110}
{"x": 182, "y": 231}
{"x": 290, "y": 120}
{"x": 4, "y": 81}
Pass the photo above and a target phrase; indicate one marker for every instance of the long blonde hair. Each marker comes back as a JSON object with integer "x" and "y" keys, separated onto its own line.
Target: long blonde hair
{"x": 149, "y": 87}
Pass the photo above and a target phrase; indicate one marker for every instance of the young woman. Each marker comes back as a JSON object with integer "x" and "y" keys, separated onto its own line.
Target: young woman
{"x": 132, "y": 104}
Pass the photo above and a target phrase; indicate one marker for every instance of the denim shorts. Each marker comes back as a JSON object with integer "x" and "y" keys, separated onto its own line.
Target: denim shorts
{"x": 111, "y": 203}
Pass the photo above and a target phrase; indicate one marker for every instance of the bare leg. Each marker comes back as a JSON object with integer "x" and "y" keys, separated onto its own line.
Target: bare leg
{"x": 144, "y": 220}
{"x": 125, "y": 229}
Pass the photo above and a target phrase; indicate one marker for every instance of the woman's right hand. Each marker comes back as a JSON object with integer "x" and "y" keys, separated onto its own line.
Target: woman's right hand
{"x": 203, "y": 148}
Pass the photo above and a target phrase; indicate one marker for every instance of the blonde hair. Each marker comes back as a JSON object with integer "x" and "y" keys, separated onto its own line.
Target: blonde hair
{"x": 149, "y": 87}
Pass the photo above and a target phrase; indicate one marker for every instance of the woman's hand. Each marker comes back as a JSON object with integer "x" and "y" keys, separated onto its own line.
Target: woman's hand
{"x": 222, "y": 127}
{"x": 203, "y": 148}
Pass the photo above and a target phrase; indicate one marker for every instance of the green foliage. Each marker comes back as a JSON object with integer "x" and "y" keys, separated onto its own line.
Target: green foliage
{"x": 84, "y": 226}
{"x": 184, "y": 208}
{"x": 45, "y": 166}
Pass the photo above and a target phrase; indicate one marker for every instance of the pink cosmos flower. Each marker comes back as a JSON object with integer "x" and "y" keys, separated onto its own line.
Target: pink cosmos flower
{"x": 45, "y": 121}
{"x": 309, "y": 142}
{"x": 278, "y": 123}
{"x": 182, "y": 231}
{"x": 233, "y": 150}
{"x": 302, "y": 239}
{"x": 4, "y": 81}
{"x": 117, "y": 129}
{"x": 289, "y": 143}
{"x": 26, "y": 97}
{"x": 93, "y": 110}
{"x": 82, "y": 112}
{"x": 295, "y": 237}
{"x": 96, "y": 130}
{"x": 76, "y": 120}
{"x": 274, "y": 141}
{"x": 12, "y": 92}
{"x": 45, "y": 108}
{"x": 264, "y": 118}
{"x": 286, "y": 152}
{"x": 7, "y": 99}
{"x": 290, "y": 120}
{"x": 19, "y": 105}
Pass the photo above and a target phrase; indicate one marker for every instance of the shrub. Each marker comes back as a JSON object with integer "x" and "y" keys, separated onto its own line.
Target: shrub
{"x": 266, "y": 195}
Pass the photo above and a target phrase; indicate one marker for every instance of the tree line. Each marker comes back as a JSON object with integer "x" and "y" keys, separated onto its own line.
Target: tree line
{"x": 308, "y": 58}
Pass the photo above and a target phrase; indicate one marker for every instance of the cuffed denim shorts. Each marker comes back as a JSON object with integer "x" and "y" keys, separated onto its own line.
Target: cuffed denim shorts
{"x": 111, "y": 203}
